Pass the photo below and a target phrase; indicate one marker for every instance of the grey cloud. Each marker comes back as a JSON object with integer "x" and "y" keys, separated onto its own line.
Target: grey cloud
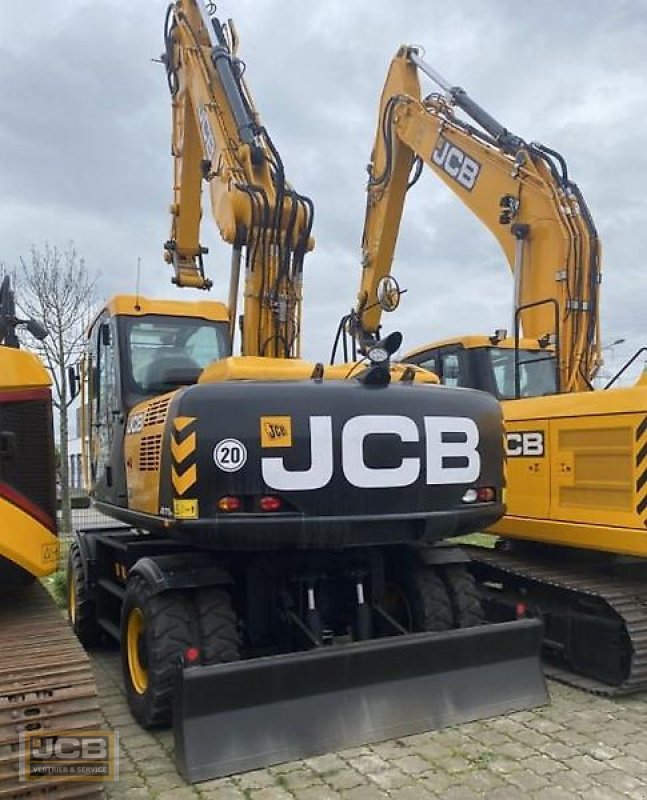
{"x": 85, "y": 133}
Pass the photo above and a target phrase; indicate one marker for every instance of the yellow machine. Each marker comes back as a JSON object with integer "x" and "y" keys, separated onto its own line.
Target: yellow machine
{"x": 28, "y": 540}
{"x": 577, "y": 490}
{"x": 278, "y": 588}
{"x": 46, "y": 684}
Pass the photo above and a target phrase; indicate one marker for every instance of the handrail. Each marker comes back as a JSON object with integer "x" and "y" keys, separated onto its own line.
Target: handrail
{"x": 625, "y": 367}
{"x": 517, "y": 315}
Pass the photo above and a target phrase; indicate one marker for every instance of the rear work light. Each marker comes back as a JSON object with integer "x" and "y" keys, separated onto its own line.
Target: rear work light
{"x": 270, "y": 503}
{"x": 228, "y": 504}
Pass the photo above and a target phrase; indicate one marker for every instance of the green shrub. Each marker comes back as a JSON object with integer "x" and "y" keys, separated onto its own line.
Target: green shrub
{"x": 57, "y": 586}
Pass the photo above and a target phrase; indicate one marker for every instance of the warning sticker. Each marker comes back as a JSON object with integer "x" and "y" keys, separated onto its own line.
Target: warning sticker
{"x": 184, "y": 508}
{"x": 276, "y": 431}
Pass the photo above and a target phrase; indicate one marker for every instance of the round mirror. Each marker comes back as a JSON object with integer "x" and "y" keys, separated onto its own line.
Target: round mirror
{"x": 388, "y": 293}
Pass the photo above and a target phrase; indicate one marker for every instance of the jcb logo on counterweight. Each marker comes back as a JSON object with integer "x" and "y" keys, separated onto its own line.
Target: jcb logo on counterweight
{"x": 276, "y": 431}
{"x": 449, "y": 454}
{"x": 457, "y": 164}
{"x": 525, "y": 443}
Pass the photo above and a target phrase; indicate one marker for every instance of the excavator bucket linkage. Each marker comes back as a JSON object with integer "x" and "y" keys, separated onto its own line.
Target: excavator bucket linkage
{"x": 249, "y": 714}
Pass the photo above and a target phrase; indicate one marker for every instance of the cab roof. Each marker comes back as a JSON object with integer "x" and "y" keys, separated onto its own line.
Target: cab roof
{"x": 133, "y": 306}
{"x": 472, "y": 342}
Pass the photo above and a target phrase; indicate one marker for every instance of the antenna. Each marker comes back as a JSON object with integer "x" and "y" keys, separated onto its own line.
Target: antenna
{"x": 139, "y": 270}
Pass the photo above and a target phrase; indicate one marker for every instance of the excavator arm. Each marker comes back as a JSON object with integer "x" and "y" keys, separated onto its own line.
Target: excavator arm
{"x": 522, "y": 194}
{"x": 218, "y": 139}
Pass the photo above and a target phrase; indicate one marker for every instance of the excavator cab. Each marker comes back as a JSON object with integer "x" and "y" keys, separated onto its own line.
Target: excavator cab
{"x": 138, "y": 349}
{"x": 492, "y": 364}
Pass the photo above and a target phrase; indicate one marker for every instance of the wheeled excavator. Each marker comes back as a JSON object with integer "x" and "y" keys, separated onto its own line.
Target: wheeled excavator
{"x": 279, "y": 584}
{"x": 46, "y": 683}
{"x": 573, "y": 541}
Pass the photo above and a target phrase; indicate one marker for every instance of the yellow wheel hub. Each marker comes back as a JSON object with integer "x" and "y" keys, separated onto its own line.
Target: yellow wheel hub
{"x": 134, "y": 642}
{"x": 71, "y": 601}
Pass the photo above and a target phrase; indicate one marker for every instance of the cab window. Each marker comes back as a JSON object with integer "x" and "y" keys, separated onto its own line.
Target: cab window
{"x": 536, "y": 372}
{"x": 451, "y": 369}
{"x": 167, "y": 352}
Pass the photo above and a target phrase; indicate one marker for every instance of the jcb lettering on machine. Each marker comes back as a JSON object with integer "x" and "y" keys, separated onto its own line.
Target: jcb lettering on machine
{"x": 525, "y": 443}
{"x": 456, "y": 163}
{"x": 450, "y": 454}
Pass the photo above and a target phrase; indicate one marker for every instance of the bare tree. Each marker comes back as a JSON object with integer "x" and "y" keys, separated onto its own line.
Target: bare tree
{"x": 58, "y": 288}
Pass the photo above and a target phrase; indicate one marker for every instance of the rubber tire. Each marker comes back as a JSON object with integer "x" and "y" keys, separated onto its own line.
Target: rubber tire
{"x": 464, "y": 596}
{"x": 85, "y": 624}
{"x": 218, "y": 626}
{"x": 168, "y": 633}
{"x": 426, "y": 595}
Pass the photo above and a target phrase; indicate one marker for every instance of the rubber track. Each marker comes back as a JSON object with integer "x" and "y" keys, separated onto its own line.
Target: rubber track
{"x": 628, "y": 599}
{"x": 46, "y": 682}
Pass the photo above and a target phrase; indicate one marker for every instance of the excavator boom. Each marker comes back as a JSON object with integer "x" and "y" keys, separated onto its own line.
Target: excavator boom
{"x": 522, "y": 194}
{"x": 219, "y": 140}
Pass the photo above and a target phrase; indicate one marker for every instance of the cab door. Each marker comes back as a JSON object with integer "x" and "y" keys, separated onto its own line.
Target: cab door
{"x": 105, "y": 407}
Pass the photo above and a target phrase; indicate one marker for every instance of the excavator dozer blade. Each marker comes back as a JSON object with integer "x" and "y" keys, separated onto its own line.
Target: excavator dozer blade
{"x": 229, "y": 718}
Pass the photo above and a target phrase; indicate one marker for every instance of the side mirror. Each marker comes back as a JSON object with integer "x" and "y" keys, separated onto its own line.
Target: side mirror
{"x": 105, "y": 334}
{"x": 388, "y": 293}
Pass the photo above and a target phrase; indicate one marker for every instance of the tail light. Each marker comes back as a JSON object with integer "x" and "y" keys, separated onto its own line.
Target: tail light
{"x": 270, "y": 503}
{"x": 485, "y": 494}
{"x": 229, "y": 504}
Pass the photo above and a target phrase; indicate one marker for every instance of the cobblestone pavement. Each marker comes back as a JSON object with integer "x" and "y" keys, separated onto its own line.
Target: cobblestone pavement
{"x": 578, "y": 747}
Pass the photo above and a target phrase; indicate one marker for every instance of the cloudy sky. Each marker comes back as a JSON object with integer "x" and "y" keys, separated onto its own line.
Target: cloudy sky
{"x": 85, "y": 133}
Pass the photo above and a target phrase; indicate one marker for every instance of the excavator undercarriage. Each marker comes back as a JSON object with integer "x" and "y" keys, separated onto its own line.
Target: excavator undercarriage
{"x": 594, "y": 611}
{"x": 46, "y": 686}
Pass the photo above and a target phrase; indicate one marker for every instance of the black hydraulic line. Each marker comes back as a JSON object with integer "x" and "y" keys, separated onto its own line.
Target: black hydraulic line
{"x": 387, "y": 136}
{"x": 279, "y": 186}
{"x": 170, "y": 24}
{"x": 557, "y": 156}
{"x": 416, "y": 172}
{"x": 302, "y": 244}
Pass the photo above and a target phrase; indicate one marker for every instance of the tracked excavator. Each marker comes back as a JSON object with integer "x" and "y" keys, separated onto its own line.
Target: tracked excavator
{"x": 278, "y": 584}
{"x": 573, "y": 541}
{"x": 46, "y": 683}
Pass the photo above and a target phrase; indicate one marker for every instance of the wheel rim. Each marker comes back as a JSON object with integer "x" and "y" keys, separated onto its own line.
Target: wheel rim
{"x": 135, "y": 647}
{"x": 71, "y": 601}
{"x": 396, "y": 605}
